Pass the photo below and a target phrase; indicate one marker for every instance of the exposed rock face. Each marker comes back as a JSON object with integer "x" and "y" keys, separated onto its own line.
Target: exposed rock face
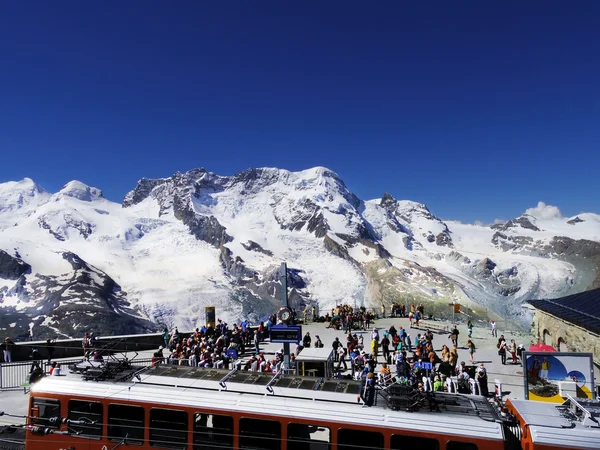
{"x": 575, "y": 221}
{"x": 388, "y": 202}
{"x": 486, "y": 267}
{"x": 84, "y": 300}
{"x": 444, "y": 239}
{"x": 565, "y": 246}
{"x": 207, "y": 229}
{"x": 522, "y": 221}
{"x": 235, "y": 266}
{"x": 253, "y": 246}
{"x": 67, "y": 223}
{"x": 336, "y": 248}
{"x": 11, "y": 268}
{"x": 142, "y": 191}
{"x": 515, "y": 243}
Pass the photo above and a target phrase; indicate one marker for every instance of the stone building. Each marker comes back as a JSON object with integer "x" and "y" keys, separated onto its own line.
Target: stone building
{"x": 570, "y": 324}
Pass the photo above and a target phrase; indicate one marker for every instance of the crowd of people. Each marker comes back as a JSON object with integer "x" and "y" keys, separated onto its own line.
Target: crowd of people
{"x": 345, "y": 317}
{"x": 406, "y": 360}
{"x": 388, "y": 355}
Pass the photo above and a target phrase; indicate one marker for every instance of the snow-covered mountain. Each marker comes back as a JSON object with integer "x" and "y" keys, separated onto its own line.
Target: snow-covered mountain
{"x": 74, "y": 260}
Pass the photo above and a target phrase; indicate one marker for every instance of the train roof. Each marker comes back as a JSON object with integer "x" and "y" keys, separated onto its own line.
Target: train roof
{"x": 574, "y": 424}
{"x": 295, "y": 397}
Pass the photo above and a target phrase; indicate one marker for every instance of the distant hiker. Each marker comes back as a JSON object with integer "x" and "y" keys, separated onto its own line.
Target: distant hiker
{"x": 494, "y": 329}
{"x": 470, "y": 328}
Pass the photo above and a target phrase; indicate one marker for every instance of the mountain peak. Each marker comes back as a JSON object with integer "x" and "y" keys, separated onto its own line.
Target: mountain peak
{"x": 17, "y": 194}
{"x": 81, "y": 191}
{"x": 388, "y": 202}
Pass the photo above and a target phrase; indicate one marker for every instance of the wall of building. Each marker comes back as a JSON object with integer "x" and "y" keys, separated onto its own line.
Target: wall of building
{"x": 565, "y": 336}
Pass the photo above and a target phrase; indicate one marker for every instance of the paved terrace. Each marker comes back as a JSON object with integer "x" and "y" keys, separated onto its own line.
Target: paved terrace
{"x": 511, "y": 376}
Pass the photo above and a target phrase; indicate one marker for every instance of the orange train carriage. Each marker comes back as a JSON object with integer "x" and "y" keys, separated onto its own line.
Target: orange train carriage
{"x": 173, "y": 407}
{"x": 548, "y": 426}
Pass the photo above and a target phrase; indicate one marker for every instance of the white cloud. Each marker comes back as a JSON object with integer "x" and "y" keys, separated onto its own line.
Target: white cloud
{"x": 543, "y": 211}
{"x": 499, "y": 221}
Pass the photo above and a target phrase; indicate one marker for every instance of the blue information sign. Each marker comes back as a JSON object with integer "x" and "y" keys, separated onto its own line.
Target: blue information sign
{"x": 283, "y": 334}
{"x": 426, "y": 366}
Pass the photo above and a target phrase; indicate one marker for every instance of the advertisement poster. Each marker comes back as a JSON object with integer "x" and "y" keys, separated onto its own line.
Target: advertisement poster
{"x": 543, "y": 371}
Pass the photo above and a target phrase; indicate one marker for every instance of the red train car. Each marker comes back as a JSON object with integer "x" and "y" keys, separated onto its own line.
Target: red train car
{"x": 172, "y": 407}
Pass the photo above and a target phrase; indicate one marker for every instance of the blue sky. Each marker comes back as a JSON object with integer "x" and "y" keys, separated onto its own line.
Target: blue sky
{"x": 479, "y": 110}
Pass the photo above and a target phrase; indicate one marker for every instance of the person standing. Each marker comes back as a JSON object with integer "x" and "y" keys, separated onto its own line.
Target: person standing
{"x": 471, "y": 348}
{"x": 374, "y": 348}
{"x": 341, "y": 359}
{"x": 335, "y": 344}
{"x": 502, "y": 351}
{"x": 385, "y": 348}
{"x": 470, "y": 327}
{"x": 494, "y": 329}
{"x": 481, "y": 377}
{"x": 85, "y": 343}
{"x": 256, "y": 342}
{"x": 7, "y": 349}
{"x": 513, "y": 351}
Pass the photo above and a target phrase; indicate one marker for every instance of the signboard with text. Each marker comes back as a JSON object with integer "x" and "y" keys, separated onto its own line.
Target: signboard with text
{"x": 283, "y": 334}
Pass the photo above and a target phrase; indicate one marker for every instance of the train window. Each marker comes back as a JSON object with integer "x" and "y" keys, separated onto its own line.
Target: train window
{"x": 89, "y": 416}
{"x": 454, "y": 445}
{"x": 402, "y": 442}
{"x": 47, "y": 408}
{"x": 126, "y": 423}
{"x": 308, "y": 437}
{"x": 168, "y": 428}
{"x": 352, "y": 439}
{"x": 260, "y": 434}
{"x": 212, "y": 431}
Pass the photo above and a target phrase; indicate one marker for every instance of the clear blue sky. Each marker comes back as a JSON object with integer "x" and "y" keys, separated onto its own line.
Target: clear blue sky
{"x": 479, "y": 110}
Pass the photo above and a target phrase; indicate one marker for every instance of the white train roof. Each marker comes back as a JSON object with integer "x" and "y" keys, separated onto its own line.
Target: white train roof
{"x": 463, "y": 417}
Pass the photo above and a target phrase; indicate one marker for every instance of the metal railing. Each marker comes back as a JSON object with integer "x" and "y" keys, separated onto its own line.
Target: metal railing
{"x": 14, "y": 375}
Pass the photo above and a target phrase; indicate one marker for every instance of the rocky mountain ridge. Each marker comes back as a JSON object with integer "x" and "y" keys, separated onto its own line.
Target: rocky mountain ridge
{"x": 196, "y": 239}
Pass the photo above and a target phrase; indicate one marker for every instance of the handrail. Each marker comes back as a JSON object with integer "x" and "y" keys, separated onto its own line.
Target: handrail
{"x": 272, "y": 381}
{"x": 228, "y": 376}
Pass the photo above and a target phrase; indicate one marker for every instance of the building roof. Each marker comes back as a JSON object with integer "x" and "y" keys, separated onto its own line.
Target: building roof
{"x": 581, "y": 309}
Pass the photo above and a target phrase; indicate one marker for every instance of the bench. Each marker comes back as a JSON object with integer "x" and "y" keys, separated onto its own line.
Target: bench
{"x": 435, "y": 327}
